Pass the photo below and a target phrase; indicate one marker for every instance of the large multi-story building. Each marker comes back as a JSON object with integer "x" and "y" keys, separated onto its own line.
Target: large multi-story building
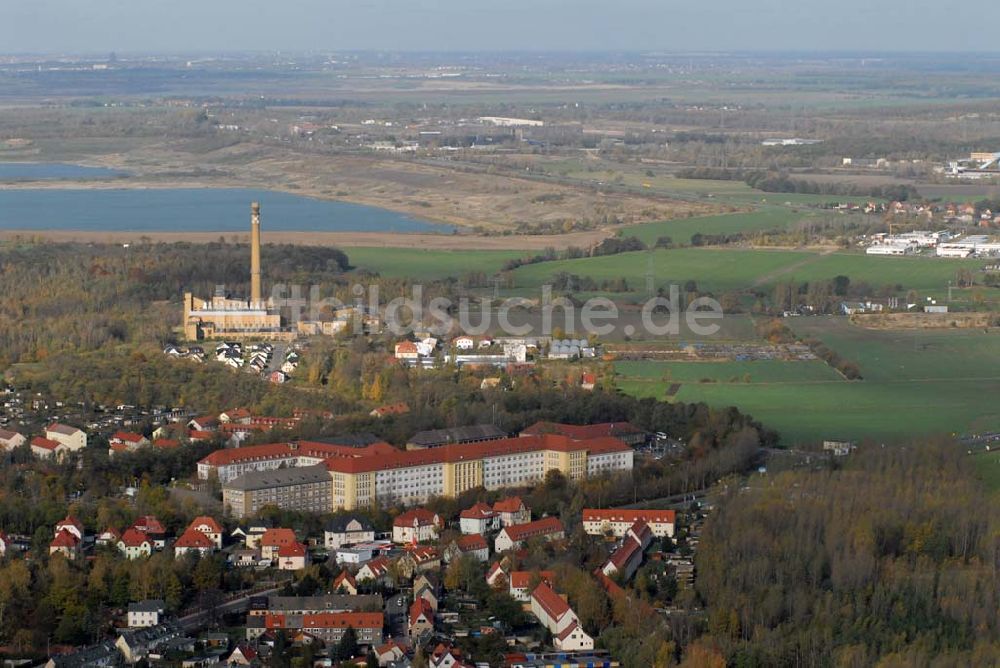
{"x": 379, "y": 473}
{"x": 304, "y": 488}
{"x": 618, "y": 521}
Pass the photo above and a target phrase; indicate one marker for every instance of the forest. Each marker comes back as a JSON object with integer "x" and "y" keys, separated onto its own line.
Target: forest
{"x": 886, "y": 560}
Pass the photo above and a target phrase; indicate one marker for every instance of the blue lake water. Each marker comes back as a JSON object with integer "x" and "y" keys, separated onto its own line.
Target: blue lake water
{"x": 193, "y": 209}
{"x": 52, "y": 171}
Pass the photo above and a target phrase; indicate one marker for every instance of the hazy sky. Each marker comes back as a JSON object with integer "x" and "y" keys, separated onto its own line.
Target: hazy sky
{"x": 439, "y": 25}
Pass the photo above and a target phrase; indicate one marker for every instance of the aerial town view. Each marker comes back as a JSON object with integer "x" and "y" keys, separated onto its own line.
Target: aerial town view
{"x": 442, "y": 334}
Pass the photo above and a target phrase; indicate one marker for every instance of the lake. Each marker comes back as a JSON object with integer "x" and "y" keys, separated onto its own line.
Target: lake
{"x": 53, "y": 171}
{"x": 194, "y": 209}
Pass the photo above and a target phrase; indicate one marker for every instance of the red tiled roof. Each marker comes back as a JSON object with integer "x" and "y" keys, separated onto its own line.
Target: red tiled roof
{"x": 134, "y": 538}
{"x": 378, "y": 565}
{"x": 195, "y": 540}
{"x": 609, "y": 585}
{"x": 150, "y": 525}
{"x": 630, "y": 516}
{"x": 166, "y": 443}
{"x": 328, "y": 620}
{"x": 471, "y": 542}
{"x": 292, "y": 550}
{"x": 111, "y": 531}
{"x": 127, "y": 437}
{"x": 406, "y": 347}
{"x": 567, "y": 631}
{"x": 209, "y": 522}
{"x": 63, "y": 429}
{"x": 65, "y": 539}
{"x": 419, "y": 607}
{"x": 392, "y": 409}
{"x": 278, "y": 537}
{"x": 480, "y": 511}
{"x": 521, "y": 579}
{"x": 627, "y": 551}
{"x": 551, "y": 602}
{"x": 471, "y": 451}
{"x": 542, "y": 527}
{"x": 270, "y": 451}
{"x": 70, "y": 520}
{"x": 416, "y": 517}
{"x": 423, "y": 553}
{"x": 511, "y": 504}
{"x": 46, "y": 443}
{"x": 344, "y": 576}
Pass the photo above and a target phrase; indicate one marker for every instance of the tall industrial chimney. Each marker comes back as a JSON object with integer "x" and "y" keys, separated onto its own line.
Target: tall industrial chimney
{"x": 255, "y": 254}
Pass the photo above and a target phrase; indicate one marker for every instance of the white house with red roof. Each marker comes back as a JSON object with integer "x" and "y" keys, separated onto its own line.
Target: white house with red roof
{"x": 421, "y": 618}
{"x": 293, "y": 557}
{"x": 65, "y": 543}
{"x": 554, "y": 613}
{"x": 376, "y": 570}
{"x": 193, "y": 541}
{"x": 478, "y": 519}
{"x": 511, "y": 510}
{"x": 407, "y": 350}
{"x": 109, "y": 536}
{"x": 548, "y": 528}
{"x": 236, "y": 416}
{"x": 627, "y": 558}
{"x": 470, "y": 544}
{"x": 273, "y": 540}
{"x": 46, "y": 448}
{"x": 122, "y": 441}
{"x": 71, "y": 524}
{"x": 208, "y": 526}
{"x": 522, "y": 583}
{"x": 135, "y": 544}
{"x": 415, "y": 526}
{"x": 345, "y": 582}
{"x": 617, "y": 522}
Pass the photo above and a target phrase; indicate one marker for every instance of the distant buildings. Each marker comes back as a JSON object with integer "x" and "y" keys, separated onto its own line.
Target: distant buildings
{"x": 618, "y": 522}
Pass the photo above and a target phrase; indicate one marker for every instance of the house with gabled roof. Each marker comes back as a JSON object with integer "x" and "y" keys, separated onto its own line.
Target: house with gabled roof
{"x": 420, "y": 619}
{"x": 478, "y": 519}
{"x": 470, "y": 544}
{"x": 46, "y": 448}
{"x": 109, "y": 536}
{"x": 418, "y": 559}
{"x": 72, "y": 438}
{"x": 511, "y": 510}
{"x": 522, "y": 583}
{"x": 375, "y": 570}
{"x": 193, "y": 541}
{"x": 347, "y": 530}
{"x": 135, "y": 544}
{"x": 555, "y": 614}
{"x": 66, "y": 544}
{"x": 210, "y": 527}
{"x": 274, "y": 539}
{"x": 293, "y": 557}
{"x": 618, "y": 521}
{"x": 548, "y": 528}
{"x": 399, "y": 408}
{"x": 153, "y": 528}
{"x": 415, "y": 526}
{"x": 346, "y": 583}
{"x": 71, "y": 524}
{"x": 11, "y": 439}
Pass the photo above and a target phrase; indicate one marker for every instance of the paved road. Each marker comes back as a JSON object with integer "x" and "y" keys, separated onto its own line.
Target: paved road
{"x": 395, "y": 614}
{"x": 198, "y": 620}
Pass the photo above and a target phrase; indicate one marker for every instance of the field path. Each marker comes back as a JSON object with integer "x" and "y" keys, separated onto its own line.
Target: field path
{"x": 770, "y": 276}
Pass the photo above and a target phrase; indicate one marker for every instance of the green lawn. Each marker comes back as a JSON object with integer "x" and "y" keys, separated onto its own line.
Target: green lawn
{"x": 916, "y": 384}
{"x": 415, "y": 263}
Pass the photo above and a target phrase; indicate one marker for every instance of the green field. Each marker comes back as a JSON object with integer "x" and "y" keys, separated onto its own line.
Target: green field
{"x": 987, "y": 466}
{"x": 725, "y": 269}
{"x": 681, "y": 229}
{"x": 760, "y": 371}
{"x": 417, "y": 264}
{"x": 915, "y": 384}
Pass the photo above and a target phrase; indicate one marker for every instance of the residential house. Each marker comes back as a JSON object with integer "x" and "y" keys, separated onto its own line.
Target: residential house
{"x": 425, "y": 586}
{"x": 242, "y": 655}
{"x": 10, "y": 440}
{"x": 478, "y": 519}
{"x": 208, "y": 526}
{"x": 46, "y": 448}
{"x": 347, "y": 530}
{"x": 421, "y": 618}
{"x": 135, "y": 544}
{"x": 389, "y": 652}
{"x": 415, "y": 526}
{"x": 511, "y": 511}
{"x": 235, "y": 416}
{"x": 376, "y": 570}
{"x": 522, "y": 583}
{"x": 126, "y": 441}
{"x": 418, "y": 559}
{"x": 109, "y": 536}
{"x": 153, "y": 528}
{"x": 145, "y": 613}
{"x": 554, "y": 613}
{"x": 72, "y": 438}
{"x": 549, "y": 528}
{"x": 464, "y": 343}
{"x": 617, "y": 522}
{"x": 137, "y": 644}
{"x": 496, "y": 576}
{"x": 71, "y": 524}
{"x": 625, "y": 560}
{"x": 206, "y": 423}
{"x": 66, "y": 544}
{"x": 407, "y": 350}
{"x": 293, "y": 557}
{"x": 273, "y": 540}
{"x": 328, "y": 627}
{"x": 471, "y": 544}
{"x": 192, "y": 541}
{"x": 345, "y": 583}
